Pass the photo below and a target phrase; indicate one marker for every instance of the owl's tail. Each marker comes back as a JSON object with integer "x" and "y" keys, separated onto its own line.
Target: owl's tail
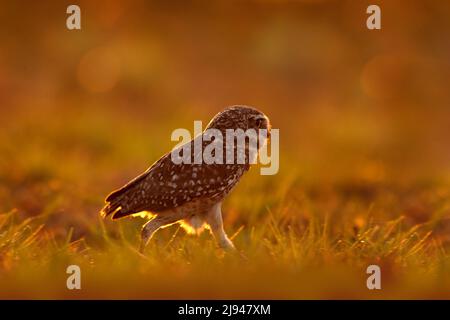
{"x": 116, "y": 204}
{"x": 108, "y": 209}
{"x": 119, "y": 202}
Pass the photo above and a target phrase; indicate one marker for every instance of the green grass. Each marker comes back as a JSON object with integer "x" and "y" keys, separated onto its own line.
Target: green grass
{"x": 299, "y": 235}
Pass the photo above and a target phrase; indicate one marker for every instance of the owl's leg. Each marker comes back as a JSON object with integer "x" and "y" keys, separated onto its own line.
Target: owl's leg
{"x": 153, "y": 225}
{"x": 214, "y": 220}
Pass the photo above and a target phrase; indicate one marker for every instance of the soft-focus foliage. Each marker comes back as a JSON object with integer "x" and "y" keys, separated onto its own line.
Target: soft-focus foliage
{"x": 364, "y": 123}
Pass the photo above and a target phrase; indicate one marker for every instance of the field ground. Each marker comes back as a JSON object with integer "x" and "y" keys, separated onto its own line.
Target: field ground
{"x": 301, "y": 238}
{"x": 364, "y": 123}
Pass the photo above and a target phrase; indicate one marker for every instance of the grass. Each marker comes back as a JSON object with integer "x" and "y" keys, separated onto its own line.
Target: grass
{"x": 365, "y": 158}
{"x": 302, "y": 236}
{"x": 283, "y": 260}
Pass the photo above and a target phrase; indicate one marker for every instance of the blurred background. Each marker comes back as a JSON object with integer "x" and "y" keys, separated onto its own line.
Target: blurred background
{"x": 364, "y": 116}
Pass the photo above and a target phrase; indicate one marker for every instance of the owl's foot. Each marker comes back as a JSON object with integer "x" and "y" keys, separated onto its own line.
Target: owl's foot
{"x": 148, "y": 230}
{"x": 153, "y": 225}
{"x": 226, "y": 244}
{"x": 142, "y": 245}
{"x": 144, "y": 241}
{"x": 229, "y": 248}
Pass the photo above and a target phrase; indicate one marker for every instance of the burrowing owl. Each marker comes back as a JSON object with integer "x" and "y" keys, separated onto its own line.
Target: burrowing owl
{"x": 190, "y": 193}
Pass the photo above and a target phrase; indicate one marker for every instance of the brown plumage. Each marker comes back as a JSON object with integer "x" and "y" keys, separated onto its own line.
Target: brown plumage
{"x": 191, "y": 193}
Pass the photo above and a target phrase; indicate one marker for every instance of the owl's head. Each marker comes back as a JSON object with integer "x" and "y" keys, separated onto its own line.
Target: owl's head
{"x": 240, "y": 117}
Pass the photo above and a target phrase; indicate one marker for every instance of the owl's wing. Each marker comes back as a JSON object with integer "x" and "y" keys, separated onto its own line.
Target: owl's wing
{"x": 129, "y": 198}
{"x": 166, "y": 185}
